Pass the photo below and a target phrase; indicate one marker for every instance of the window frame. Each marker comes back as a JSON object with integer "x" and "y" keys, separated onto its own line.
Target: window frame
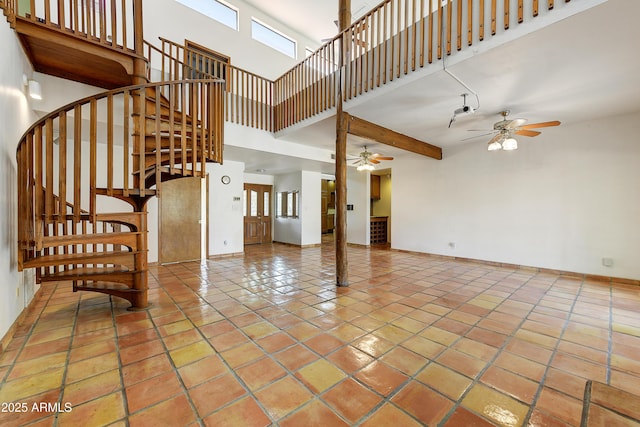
{"x": 199, "y": 51}
{"x": 286, "y": 200}
{"x": 213, "y": 16}
{"x": 277, "y": 33}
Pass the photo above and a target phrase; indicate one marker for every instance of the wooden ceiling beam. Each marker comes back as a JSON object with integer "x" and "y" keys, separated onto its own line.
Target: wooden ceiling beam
{"x": 365, "y": 129}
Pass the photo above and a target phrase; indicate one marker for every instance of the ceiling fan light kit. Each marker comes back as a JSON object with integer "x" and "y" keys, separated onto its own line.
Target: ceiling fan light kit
{"x": 494, "y": 146}
{"x": 510, "y": 144}
{"x": 367, "y": 160}
{"x": 365, "y": 167}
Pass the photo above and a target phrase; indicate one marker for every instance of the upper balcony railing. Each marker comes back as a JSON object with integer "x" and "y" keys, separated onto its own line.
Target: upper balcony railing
{"x": 113, "y": 23}
{"x": 395, "y": 38}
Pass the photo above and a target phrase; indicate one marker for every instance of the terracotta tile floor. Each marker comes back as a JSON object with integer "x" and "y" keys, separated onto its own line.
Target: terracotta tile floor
{"x": 267, "y": 339}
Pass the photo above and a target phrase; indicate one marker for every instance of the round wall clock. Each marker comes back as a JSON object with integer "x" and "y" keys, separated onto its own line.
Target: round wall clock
{"x": 225, "y": 179}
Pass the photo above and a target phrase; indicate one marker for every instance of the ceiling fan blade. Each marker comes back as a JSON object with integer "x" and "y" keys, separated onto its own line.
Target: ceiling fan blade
{"x": 541, "y": 125}
{"x": 478, "y": 136}
{"x": 515, "y": 123}
{"x": 499, "y": 137}
{"x": 374, "y": 161}
{"x": 379, "y": 156}
{"x": 525, "y": 132}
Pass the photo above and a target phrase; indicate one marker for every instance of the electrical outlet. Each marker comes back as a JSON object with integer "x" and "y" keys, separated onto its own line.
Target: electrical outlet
{"x": 452, "y": 245}
{"x": 607, "y": 262}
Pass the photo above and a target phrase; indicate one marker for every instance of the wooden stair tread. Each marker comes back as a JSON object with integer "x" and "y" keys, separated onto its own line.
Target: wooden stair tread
{"x": 94, "y": 238}
{"x": 167, "y": 172}
{"x": 78, "y": 258}
{"x": 105, "y": 285}
{"x": 87, "y": 272}
{"x": 124, "y": 218}
{"x": 108, "y": 288}
{"x": 178, "y": 127}
{"x": 114, "y": 274}
{"x": 177, "y": 150}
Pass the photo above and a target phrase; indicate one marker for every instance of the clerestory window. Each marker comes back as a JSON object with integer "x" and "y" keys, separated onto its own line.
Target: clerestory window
{"x": 272, "y": 38}
{"x": 214, "y": 9}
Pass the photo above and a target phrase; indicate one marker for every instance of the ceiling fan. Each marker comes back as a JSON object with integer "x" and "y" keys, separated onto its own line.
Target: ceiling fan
{"x": 506, "y": 129}
{"x": 367, "y": 160}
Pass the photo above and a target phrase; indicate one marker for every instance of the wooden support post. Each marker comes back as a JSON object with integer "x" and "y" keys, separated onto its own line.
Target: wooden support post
{"x": 342, "y": 274}
{"x": 139, "y": 299}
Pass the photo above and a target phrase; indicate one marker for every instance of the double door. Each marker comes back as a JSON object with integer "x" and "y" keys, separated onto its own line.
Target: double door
{"x": 257, "y": 214}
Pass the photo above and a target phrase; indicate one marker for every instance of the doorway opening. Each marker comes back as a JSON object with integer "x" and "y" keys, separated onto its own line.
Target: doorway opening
{"x": 328, "y": 207}
{"x": 380, "y": 194}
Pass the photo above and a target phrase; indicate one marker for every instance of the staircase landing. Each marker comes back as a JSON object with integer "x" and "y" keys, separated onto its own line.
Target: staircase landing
{"x": 84, "y": 59}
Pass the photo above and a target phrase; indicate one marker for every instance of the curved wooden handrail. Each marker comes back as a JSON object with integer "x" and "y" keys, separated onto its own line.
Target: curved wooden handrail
{"x": 119, "y": 143}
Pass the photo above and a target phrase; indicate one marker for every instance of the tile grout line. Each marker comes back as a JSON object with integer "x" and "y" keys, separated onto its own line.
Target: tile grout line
{"x": 68, "y": 358}
{"x": 250, "y": 290}
{"x": 553, "y": 354}
{"x": 399, "y": 388}
{"x": 231, "y": 370}
{"x": 27, "y": 336}
{"x": 167, "y": 352}
{"x": 449, "y": 346}
{"x": 321, "y": 357}
{"x": 123, "y": 390}
{"x": 501, "y": 349}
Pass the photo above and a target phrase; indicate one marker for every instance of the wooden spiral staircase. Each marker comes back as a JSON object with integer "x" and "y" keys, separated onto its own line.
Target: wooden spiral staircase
{"x": 87, "y": 170}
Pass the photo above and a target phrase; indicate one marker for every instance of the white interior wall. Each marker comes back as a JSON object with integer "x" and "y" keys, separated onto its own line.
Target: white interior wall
{"x": 310, "y": 208}
{"x": 226, "y": 226}
{"x": 16, "y": 110}
{"x": 256, "y": 178}
{"x": 564, "y": 200}
{"x": 358, "y": 184}
{"x": 57, "y": 92}
{"x": 262, "y": 141}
